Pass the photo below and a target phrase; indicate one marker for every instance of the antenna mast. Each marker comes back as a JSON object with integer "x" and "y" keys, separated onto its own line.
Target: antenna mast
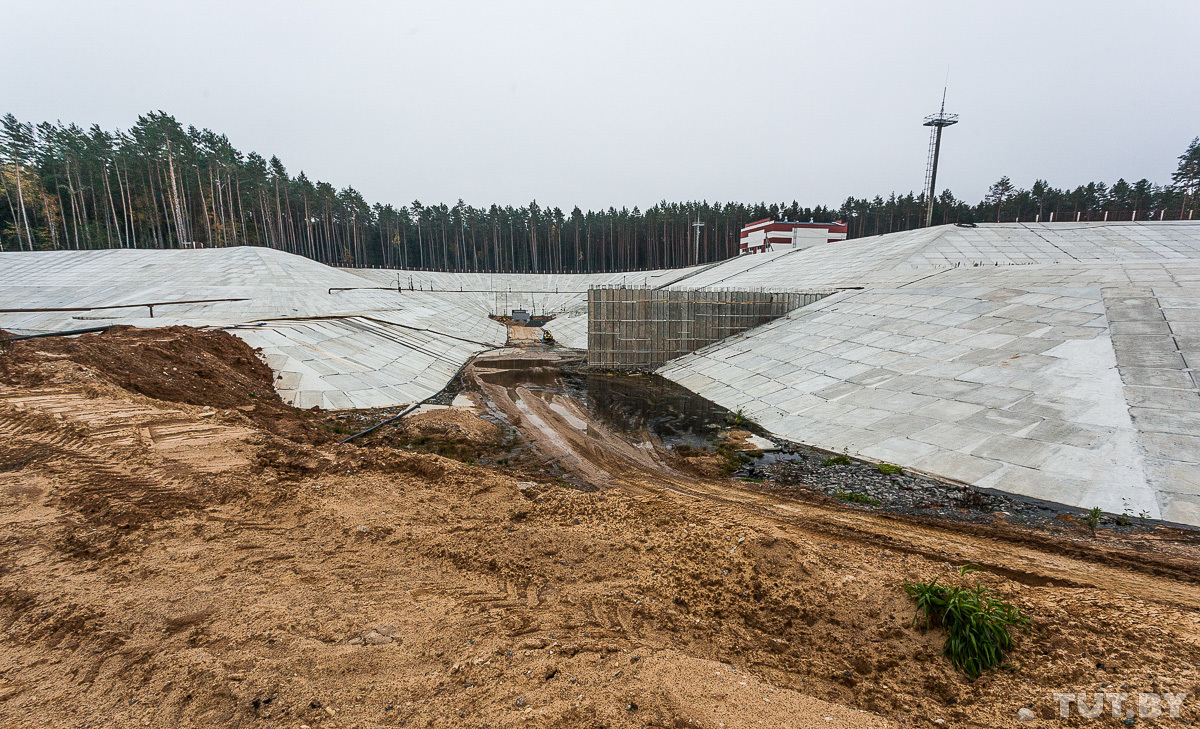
{"x": 937, "y": 121}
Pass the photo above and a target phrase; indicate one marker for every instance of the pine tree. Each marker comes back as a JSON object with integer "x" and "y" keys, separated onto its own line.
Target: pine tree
{"x": 1187, "y": 176}
{"x": 1000, "y": 191}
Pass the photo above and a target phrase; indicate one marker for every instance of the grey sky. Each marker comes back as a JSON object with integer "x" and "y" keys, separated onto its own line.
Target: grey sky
{"x": 628, "y": 103}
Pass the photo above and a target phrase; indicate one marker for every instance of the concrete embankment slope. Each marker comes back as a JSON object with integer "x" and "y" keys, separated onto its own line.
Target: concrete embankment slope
{"x": 337, "y": 338}
{"x": 1052, "y": 360}
{"x": 334, "y": 339}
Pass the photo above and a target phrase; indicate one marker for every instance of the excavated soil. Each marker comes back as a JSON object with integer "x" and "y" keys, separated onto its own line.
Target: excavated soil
{"x": 456, "y": 432}
{"x": 450, "y": 425}
{"x": 171, "y": 563}
{"x": 176, "y": 364}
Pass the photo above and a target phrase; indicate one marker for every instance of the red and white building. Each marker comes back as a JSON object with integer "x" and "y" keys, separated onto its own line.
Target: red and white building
{"x": 766, "y": 235}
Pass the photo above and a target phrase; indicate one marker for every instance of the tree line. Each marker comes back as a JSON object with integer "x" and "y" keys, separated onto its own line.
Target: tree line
{"x": 1005, "y": 202}
{"x": 160, "y": 185}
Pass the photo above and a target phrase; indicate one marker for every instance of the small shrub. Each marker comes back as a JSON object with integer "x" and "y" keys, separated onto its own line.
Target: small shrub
{"x": 855, "y": 498}
{"x": 737, "y": 418}
{"x": 1092, "y": 519}
{"x": 889, "y": 468}
{"x": 733, "y": 460}
{"x": 976, "y": 623}
{"x": 838, "y": 460}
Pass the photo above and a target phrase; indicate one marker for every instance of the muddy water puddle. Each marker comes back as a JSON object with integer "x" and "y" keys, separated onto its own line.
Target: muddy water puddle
{"x": 638, "y": 406}
{"x": 648, "y": 405}
{"x": 595, "y": 430}
{"x": 533, "y": 377}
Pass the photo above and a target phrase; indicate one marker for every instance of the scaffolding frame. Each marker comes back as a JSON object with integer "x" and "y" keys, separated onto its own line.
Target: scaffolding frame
{"x": 644, "y": 328}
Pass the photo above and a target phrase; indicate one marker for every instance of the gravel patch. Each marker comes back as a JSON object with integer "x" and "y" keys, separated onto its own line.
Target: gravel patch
{"x": 866, "y": 485}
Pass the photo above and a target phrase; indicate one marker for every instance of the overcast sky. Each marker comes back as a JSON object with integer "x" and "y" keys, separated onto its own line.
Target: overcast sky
{"x": 629, "y": 103}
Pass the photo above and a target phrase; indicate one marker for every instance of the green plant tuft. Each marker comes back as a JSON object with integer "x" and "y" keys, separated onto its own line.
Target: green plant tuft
{"x": 976, "y": 623}
{"x": 1092, "y": 519}
{"x": 853, "y": 498}
{"x": 838, "y": 460}
{"x": 889, "y": 468}
{"x": 737, "y": 418}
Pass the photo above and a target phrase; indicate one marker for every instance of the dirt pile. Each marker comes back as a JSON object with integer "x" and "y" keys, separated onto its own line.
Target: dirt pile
{"x": 450, "y": 425}
{"x": 176, "y": 364}
{"x": 738, "y": 440}
{"x": 703, "y": 462}
{"x": 454, "y": 432}
{"x": 266, "y": 582}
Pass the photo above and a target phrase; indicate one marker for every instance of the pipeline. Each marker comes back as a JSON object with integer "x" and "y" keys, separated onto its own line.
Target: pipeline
{"x": 149, "y": 305}
{"x": 68, "y": 333}
{"x": 410, "y": 408}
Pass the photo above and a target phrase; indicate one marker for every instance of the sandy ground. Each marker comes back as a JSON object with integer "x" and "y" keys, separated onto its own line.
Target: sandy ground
{"x": 171, "y": 563}
{"x": 521, "y": 335}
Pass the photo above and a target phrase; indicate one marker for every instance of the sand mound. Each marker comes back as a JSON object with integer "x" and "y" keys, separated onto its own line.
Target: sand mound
{"x": 176, "y": 364}
{"x": 451, "y": 425}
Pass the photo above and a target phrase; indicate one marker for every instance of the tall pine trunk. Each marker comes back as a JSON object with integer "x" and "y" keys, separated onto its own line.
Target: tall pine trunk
{"x": 21, "y": 202}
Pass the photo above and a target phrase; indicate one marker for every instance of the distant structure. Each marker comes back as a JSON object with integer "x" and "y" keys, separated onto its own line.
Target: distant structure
{"x": 938, "y": 122}
{"x": 766, "y": 235}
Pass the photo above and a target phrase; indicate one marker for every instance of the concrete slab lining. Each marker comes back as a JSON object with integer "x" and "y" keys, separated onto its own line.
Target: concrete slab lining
{"x": 1054, "y": 360}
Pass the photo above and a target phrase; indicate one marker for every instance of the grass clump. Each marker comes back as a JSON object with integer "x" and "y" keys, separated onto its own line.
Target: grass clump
{"x": 853, "y": 498}
{"x": 839, "y": 460}
{"x": 732, "y": 460}
{"x": 737, "y": 418}
{"x": 976, "y": 623}
{"x": 889, "y": 468}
